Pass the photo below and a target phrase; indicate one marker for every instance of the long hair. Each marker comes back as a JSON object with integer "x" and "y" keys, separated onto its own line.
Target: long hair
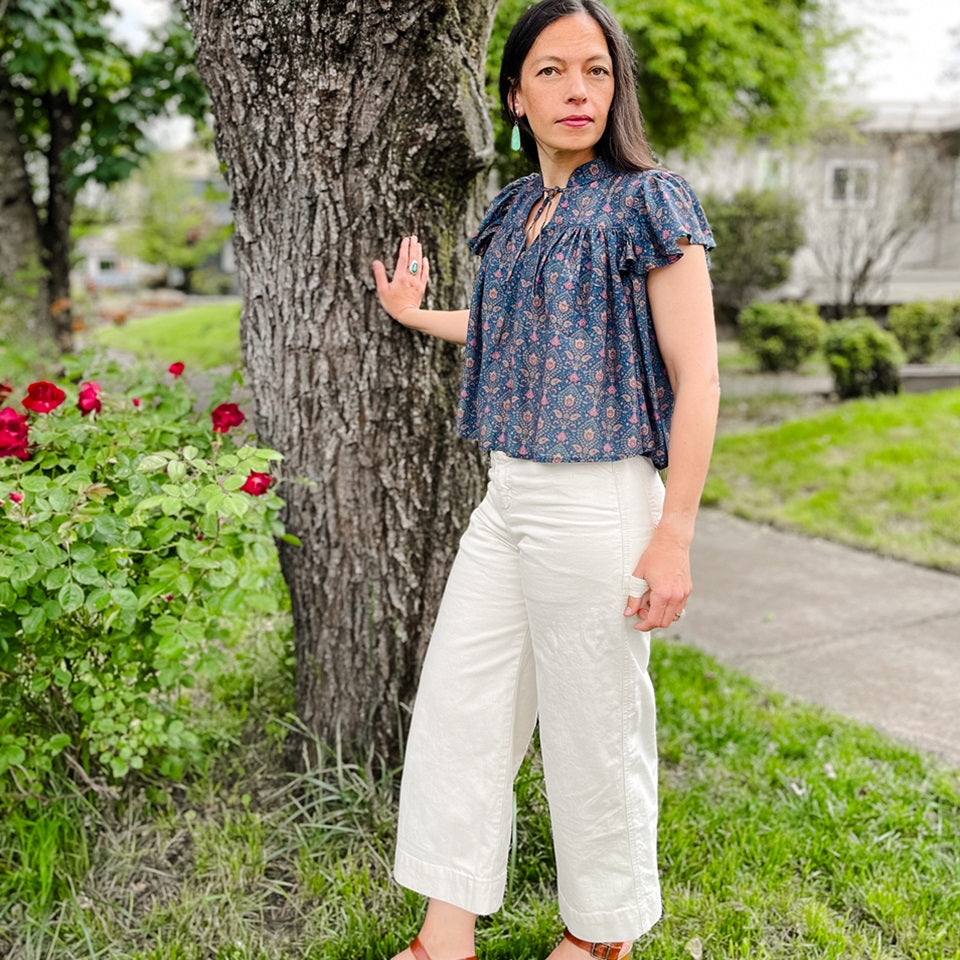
{"x": 624, "y": 144}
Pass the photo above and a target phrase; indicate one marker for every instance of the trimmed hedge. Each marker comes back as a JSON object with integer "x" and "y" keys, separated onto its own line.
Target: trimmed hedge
{"x": 863, "y": 359}
{"x": 781, "y": 335}
{"x": 920, "y": 328}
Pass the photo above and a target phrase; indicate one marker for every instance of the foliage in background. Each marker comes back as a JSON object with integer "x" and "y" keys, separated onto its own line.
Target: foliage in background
{"x": 81, "y": 102}
{"x": 757, "y": 233}
{"x": 951, "y": 309}
{"x": 781, "y": 335}
{"x": 881, "y": 474}
{"x": 919, "y": 327}
{"x": 731, "y": 68}
{"x": 863, "y": 359}
{"x": 209, "y": 333}
{"x": 176, "y": 227}
{"x": 126, "y": 528}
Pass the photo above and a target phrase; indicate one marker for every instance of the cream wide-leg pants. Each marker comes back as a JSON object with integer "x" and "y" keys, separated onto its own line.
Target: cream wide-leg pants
{"x": 531, "y": 622}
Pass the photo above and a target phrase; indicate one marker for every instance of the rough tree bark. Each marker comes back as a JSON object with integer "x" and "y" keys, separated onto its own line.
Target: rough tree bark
{"x": 20, "y": 248}
{"x": 343, "y": 126}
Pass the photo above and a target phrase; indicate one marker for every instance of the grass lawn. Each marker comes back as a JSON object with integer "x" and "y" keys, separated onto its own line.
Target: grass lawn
{"x": 882, "y": 474}
{"x": 206, "y": 335}
{"x": 786, "y": 832}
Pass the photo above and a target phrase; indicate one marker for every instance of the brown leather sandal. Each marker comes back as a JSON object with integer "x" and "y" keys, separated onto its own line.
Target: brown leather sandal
{"x": 420, "y": 951}
{"x": 603, "y": 951}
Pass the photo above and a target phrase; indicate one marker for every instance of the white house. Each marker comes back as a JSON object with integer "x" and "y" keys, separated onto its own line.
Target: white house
{"x": 881, "y": 200}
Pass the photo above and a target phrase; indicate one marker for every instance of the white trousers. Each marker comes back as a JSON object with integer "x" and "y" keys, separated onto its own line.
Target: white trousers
{"x": 531, "y": 622}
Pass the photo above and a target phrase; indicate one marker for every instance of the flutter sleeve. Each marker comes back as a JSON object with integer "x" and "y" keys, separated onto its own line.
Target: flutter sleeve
{"x": 493, "y": 218}
{"x": 661, "y": 210}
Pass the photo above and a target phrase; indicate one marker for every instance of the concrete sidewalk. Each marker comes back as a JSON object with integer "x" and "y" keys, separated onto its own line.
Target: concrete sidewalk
{"x": 873, "y": 638}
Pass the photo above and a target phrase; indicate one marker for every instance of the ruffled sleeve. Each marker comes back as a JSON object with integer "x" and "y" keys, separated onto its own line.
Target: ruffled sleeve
{"x": 661, "y": 210}
{"x": 494, "y": 216}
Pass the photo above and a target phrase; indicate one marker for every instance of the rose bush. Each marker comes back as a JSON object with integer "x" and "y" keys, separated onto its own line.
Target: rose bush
{"x": 127, "y": 534}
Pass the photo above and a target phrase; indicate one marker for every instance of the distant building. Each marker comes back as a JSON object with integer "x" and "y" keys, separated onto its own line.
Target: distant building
{"x": 105, "y": 263}
{"x": 881, "y": 201}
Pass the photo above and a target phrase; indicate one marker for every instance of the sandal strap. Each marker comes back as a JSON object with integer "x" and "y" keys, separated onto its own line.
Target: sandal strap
{"x": 420, "y": 951}
{"x": 603, "y": 951}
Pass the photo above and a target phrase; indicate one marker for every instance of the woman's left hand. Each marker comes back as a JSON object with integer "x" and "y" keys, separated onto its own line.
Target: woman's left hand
{"x": 665, "y": 566}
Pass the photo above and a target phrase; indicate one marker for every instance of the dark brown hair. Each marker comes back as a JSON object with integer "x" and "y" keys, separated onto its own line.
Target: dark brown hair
{"x": 624, "y": 144}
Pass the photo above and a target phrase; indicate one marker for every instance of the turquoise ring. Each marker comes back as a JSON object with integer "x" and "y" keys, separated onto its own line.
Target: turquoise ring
{"x": 414, "y": 266}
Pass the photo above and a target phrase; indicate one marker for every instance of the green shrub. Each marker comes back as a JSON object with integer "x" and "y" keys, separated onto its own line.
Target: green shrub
{"x": 125, "y": 524}
{"x": 757, "y": 234}
{"x": 863, "y": 359}
{"x": 919, "y": 327}
{"x": 781, "y": 335}
{"x": 951, "y": 311}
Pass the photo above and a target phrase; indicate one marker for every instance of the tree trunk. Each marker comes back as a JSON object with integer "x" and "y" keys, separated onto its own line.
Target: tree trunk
{"x": 19, "y": 229}
{"x": 344, "y": 126}
{"x": 55, "y": 228}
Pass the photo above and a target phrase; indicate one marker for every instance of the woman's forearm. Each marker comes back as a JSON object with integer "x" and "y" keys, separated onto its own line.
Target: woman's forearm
{"x": 692, "y": 431}
{"x": 447, "y": 324}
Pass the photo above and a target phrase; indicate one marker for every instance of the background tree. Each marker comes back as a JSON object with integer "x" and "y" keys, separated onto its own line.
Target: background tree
{"x": 757, "y": 234}
{"x": 729, "y": 69}
{"x": 177, "y": 227}
{"x": 857, "y": 245}
{"x": 340, "y": 131}
{"x": 79, "y": 103}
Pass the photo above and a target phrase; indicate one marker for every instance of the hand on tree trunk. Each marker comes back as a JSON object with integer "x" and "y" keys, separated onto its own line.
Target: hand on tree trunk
{"x": 405, "y": 290}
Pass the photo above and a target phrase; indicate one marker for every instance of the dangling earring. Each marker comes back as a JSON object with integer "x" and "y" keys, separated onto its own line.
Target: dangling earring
{"x": 515, "y": 136}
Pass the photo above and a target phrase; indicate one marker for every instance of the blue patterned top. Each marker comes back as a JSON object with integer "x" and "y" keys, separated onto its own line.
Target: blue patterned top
{"x": 562, "y": 361}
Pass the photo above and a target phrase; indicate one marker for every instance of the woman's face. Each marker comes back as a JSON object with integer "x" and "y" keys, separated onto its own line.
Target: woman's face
{"x": 566, "y": 87}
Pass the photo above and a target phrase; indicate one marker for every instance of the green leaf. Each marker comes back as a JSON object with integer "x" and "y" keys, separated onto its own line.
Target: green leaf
{"x": 34, "y": 620}
{"x": 34, "y": 483}
{"x": 60, "y": 500}
{"x": 124, "y": 598}
{"x": 48, "y": 554}
{"x": 152, "y": 463}
{"x": 70, "y": 597}
{"x": 56, "y": 578}
{"x": 290, "y": 538}
{"x": 82, "y": 552}
{"x": 97, "y": 600}
{"x": 86, "y": 574}
{"x": 176, "y": 471}
{"x": 57, "y": 742}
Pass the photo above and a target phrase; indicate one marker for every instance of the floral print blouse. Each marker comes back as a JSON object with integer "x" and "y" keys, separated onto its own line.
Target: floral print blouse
{"x": 562, "y": 361}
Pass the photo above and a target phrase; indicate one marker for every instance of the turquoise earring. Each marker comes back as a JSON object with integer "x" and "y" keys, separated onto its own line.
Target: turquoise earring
{"x": 515, "y": 137}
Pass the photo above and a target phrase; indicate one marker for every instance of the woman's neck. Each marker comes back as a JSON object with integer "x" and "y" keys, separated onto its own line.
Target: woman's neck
{"x": 555, "y": 169}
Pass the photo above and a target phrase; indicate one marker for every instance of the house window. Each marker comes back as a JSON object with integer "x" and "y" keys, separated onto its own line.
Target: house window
{"x": 771, "y": 171}
{"x": 107, "y": 265}
{"x": 851, "y": 184}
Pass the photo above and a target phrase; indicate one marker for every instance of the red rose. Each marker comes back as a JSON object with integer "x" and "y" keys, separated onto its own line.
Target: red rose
{"x": 16, "y": 496}
{"x": 43, "y": 396}
{"x": 5, "y": 390}
{"x": 225, "y": 416}
{"x": 89, "y": 398}
{"x": 257, "y": 483}
{"x": 136, "y": 401}
{"x": 13, "y": 434}
{"x": 176, "y": 368}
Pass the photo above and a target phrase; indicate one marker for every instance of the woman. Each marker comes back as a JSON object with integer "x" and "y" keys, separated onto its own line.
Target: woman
{"x": 590, "y": 362}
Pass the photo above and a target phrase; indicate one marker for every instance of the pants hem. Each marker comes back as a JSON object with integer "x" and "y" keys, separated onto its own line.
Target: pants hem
{"x": 611, "y": 926}
{"x": 440, "y": 882}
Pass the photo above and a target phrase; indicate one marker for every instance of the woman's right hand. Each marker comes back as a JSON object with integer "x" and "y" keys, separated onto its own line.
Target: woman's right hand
{"x": 404, "y": 292}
